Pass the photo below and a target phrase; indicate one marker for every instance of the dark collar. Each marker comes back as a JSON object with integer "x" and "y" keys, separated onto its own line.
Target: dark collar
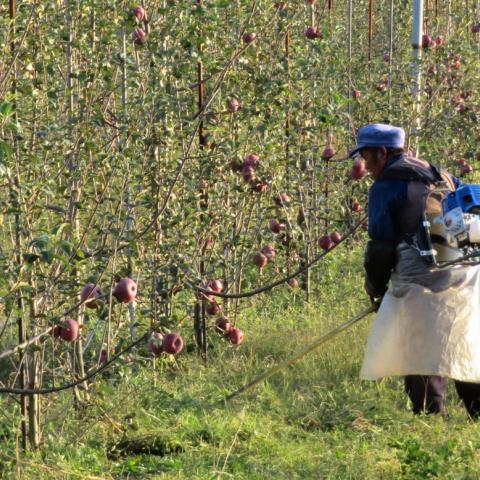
{"x": 394, "y": 159}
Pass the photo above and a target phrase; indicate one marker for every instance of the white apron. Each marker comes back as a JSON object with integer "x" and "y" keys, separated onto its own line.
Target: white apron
{"x": 428, "y": 322}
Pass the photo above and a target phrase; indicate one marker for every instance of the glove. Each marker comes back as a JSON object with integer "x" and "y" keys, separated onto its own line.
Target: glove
{"x": 376, "y": 302}
{"x": 380, "y": 260}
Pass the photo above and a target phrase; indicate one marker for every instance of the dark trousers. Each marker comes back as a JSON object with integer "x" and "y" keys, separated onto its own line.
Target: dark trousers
{"x": 427, "y": 393}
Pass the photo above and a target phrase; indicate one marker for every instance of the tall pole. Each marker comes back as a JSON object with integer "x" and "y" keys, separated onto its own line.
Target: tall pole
{"x": 417, "y": 35}
{"x": 20, "y": 322}
{"x": 370, "y": 29}
{"x": 349, "y": 53}
{"x": 390, "y": 54}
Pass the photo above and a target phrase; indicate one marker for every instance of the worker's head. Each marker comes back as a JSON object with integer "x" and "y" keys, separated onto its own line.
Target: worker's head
{"x": 376, "y": 158}
{"x": 376, "y": 143}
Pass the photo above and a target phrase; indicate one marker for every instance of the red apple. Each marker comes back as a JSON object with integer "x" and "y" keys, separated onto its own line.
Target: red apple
{"x": 248, "y": 173}
{"x": 269, "y": 251}
{"x": 251, "y": 160}
{"x": 125, "y": 290}
{"x": 456, "y": 63}
{"x": 328, "y": 153}
{"x": 381, "y": 86}
{"x": 91, "y": 296}
{"x": 325, "y": 242}
{"x": 139, "y": 12}
{"x": 68, "y": 330}
{"x": 212, "y": 308}
{"x": 235, "y": 336}
{"x": 249, "y": 37}
{"x": 465, "y": 169}
{"x": 462, "y": 108}
{"x": 358, "y": 169}
{"x": 172, "y": 343}
{"x": 438, "y": 40}
{"x": 293, "y": 282}
{"x": 139, "y": 36}
{"x": 155, "y": 344}
{"x": 312, "y": 33}
{"x": 260, "y": 260}
{"x": 233, "y": 105}
{"x": 427, "y": 41}
{"x": 336, "y": 237}
{"x": 356, "y": 206}
{"x": 103, "y": 356}
{"x": 223, "y": 326}
{"x": 276, "y": 227}
{"x": 260, "y": 187}
{"x": 282, "y": 199}
{"x": 356, "y": 94}
{"x": 215, "y": 285}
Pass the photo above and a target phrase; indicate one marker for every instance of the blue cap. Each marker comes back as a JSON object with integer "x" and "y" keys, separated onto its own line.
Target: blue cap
{"x": 379, "y": 135}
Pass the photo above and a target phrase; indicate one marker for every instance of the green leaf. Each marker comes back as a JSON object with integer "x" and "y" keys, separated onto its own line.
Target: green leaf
{"x": 58, "y": 229}
{"x": 30, "y": 257}
{"x": 66, "y": 246}
{"x": 5, "y": 151}
{"x": 6, "y": 109}
{"x": 15, "y": 127}
{"x": 48, "y": 255}
{"x": 40, "y": 242}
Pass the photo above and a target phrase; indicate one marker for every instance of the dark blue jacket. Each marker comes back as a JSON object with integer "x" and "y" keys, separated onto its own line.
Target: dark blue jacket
{"x": 385, "y": 199}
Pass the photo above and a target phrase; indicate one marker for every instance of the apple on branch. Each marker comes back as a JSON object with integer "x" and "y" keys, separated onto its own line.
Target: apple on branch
{"x": 260, "y": 260}
{"x": 67, "y": 330}
{"x": 125, "y": 290}
{"x": 173, "y": 343}
{"x": 139, "y": 13}
{"x": 213, "y": 308}
{"x": 358, "y": 169}
{"x": 223, "y": 326}
{"x": 325, "y": 242}
{"x": 91, "y": 296}
{"x": 276, "y": 226}
{"x": 235, "y": 336}
{"x": 269, "y": 251}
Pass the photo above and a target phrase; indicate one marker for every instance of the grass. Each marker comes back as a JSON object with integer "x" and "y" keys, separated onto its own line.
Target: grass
{"x": 314, "y": 420}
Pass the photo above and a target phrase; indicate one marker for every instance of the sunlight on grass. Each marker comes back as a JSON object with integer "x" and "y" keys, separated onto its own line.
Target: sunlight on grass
{"x": 315, "y": 419}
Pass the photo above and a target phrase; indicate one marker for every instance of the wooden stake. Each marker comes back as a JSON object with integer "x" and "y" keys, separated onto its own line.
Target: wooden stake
{"x": 370, "y": 30}
{"x": 20, "y": 321}
{"x": 417, "y": 35}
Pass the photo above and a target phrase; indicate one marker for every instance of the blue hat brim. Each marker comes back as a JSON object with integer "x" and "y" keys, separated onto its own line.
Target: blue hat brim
{"x": 354, "y": 152}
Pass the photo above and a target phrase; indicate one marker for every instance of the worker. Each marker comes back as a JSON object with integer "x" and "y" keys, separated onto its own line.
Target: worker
{"x": 427, "y": 327}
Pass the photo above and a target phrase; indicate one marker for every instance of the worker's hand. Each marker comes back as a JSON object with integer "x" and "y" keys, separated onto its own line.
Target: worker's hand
{"x": 376, "y": 302}
{"x": 373, "y": 291}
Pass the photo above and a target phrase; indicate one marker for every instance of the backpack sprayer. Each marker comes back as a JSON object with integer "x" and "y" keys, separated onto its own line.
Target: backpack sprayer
{"x": 452, "y": 236}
